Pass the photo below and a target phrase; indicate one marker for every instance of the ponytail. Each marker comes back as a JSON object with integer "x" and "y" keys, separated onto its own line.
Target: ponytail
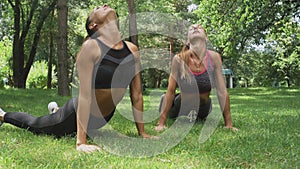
{"x": 184, "y": 56}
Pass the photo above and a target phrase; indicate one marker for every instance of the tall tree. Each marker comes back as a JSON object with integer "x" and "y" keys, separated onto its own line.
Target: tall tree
{"x": 62, "y": 46}
{"x": 133, "y": 34}
{"x": 21, "y": 32}
{"x": 285, "y": 40}
{"x": 18, "y": 50}
{"x": 236, "y": 26}
{"x": 50, "y": 56}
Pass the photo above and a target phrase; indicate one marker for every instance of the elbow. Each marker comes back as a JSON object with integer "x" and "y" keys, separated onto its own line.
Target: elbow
{"x": 222, "y": 92}
{"x": 136, "y": 98}
{"x": 84, "y": 100}
{"x": 170, "y": 94}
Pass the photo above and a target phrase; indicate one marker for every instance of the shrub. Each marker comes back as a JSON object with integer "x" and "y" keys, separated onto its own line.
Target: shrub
{"x": 37, "y": 77}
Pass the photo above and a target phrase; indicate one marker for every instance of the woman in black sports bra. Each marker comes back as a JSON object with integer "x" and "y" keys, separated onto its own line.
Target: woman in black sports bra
{"x": 107, "y": 65}
{"x": 195, "y": 70}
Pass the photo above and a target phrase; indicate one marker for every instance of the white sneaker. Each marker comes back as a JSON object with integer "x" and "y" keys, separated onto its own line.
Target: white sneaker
{"x": 52, "y": 107}
{"x": 1, "y": 112}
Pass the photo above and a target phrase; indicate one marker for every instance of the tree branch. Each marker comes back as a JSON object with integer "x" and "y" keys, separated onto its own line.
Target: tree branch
{"x": 27, "y": 26}
{"x": 44, "y": 14}
{"x": 11, "y": 3}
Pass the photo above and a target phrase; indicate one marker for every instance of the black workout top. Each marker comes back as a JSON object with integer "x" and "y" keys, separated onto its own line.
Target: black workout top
{"x": 201, "y": 79}
{"x": 115, "y": 69}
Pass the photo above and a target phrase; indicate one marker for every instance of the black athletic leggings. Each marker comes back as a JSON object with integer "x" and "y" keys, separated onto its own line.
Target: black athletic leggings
{"x": 59, "y": 124}
{"x": 203, "y": 110}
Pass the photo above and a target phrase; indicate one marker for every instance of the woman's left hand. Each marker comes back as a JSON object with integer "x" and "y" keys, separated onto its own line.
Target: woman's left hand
{"x": 231, "y": 128}
{"x": 146, "y": 136}
{"x": 88, "y": 148}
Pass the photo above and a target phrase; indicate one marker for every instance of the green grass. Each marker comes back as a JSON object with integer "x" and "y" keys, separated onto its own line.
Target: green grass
{"x": 268, "y": 136}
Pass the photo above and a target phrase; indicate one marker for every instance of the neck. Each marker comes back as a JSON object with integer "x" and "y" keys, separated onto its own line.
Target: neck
{"x": 110, "y": 35}
{"x": 199, "y": 48}
{"x": 113, "y": 40}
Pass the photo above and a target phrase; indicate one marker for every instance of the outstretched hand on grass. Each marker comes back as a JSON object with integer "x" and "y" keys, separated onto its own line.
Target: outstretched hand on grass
{"x": 160, "y": 127}
{"x": 88, "y": 148}
{"x": 231, "y": 128}
{"x": 147, "y": 136}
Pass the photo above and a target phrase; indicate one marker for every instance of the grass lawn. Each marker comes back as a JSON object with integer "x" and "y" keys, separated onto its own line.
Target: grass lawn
{"x": 268, "y": 136}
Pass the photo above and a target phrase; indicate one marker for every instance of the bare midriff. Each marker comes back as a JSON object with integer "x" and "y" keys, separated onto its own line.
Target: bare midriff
{"x": 203, "y": 97}
{"x": 107, "y": 99}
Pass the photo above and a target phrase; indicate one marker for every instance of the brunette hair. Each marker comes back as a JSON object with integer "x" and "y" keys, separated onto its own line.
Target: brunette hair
{"x": 89, "y": 31}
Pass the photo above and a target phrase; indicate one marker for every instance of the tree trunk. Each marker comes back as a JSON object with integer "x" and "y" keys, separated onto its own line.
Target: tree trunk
{"x": 171, "y": 39}
{"x": 288, "y": 81}
{"x": 36, "y": 38}
{"x": 159, "y": 80}
{"x": 20, "y": 73}
{"x": 50, "y": 58}
{"x": 133, "y": 34}
{"x": 17, "y": 60}
{"x": 62, "y": 66}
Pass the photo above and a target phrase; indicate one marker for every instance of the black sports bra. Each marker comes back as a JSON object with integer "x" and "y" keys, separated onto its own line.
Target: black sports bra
{"x": 200, "y": 81}
{"x": 116, "y": 69}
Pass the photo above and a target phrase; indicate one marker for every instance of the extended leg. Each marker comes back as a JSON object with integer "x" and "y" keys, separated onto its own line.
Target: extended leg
{"x": 61, "y": 123}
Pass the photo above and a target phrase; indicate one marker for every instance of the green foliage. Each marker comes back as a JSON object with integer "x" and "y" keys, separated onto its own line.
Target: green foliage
{"x": 159, "y": 23}
{"x": 268, "y": 136}
{"x": 6, "y": 27}
{"x": 235, "y": 28}
{"x": 5, "y": 60}
{"x": 153, "y": 78}
{"x": 37, "y": 77}
{"x": 286, "y": 41}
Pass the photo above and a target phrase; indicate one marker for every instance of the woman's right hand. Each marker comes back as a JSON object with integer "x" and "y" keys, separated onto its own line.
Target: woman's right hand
{"x": 160, "y": 127}
{"x": 87, "y": 148}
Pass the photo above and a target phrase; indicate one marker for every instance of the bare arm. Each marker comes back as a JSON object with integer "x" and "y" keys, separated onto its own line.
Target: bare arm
{"x": 86, "y": 59}
{"x": 169, "y": 97}
{"x": 168, "y": 101}
{"x": 222, "y": 93}
{"x": 136, "y": 95}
